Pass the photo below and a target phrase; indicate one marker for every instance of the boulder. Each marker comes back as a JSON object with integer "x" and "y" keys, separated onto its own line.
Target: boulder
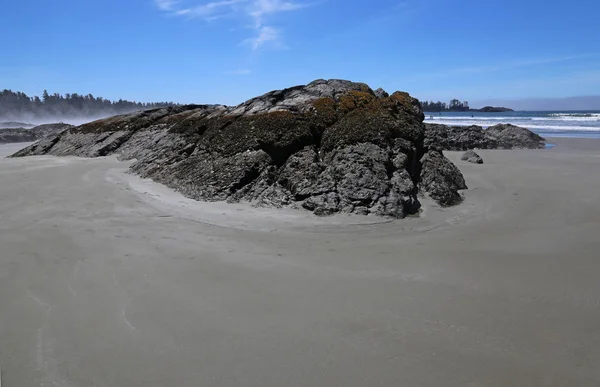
{"x": 472, "y": 157}
{"x": 330, "y": 146}
{"x": 457, "y": 137}
{"x": 510, "y": 136}
{"x": 460, "y": 138}
{"x": 441, "y": 179}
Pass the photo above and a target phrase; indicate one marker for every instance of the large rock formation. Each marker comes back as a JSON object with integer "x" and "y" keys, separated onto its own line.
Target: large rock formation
{"x": 31, "y": 135}
{"x": 501, "y": 136}
{"x": 330, "y": 146}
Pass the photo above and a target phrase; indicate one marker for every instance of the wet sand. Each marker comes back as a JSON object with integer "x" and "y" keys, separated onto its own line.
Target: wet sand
{"x": 110, "y": 280}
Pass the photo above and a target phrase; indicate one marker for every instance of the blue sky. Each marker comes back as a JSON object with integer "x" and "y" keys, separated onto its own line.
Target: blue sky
{"x": 225, "y": 51}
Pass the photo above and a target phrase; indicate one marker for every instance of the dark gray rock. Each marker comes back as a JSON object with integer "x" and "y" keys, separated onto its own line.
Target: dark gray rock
{"x": 380, "y": 93}
{"x": 502, "y": 136}
{"x": 510, "y": 136}
{"x": 472, "y": 157}
{"x": 34, "y": 134}
{"x": 17, "y": 135}
{"x": 457, "y": 137}
{"x": 441, "y": 179}
{"x": 327, "y": 147}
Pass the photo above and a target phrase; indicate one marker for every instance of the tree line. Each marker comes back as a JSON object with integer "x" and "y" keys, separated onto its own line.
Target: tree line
{"x": 455, "y": 106}
{"x": 20, "y": 105}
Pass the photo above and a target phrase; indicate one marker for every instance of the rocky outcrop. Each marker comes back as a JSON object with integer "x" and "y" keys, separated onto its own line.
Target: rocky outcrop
{"x": 330, "y": 146}
{"x": 510, "y": 137}
{"x": 16, "y": 135}
{"x": 472, "y": 157}
{"x": 31, "y": 135}
{"x": 462, "y": 138}
{"x": 457, "y": 137}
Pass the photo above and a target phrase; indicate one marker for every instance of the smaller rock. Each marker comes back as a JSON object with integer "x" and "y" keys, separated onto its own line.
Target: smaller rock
{"x": 380, "y": 93}
{"x": 441, "y": 179}
{"x": 472, "y": 157}
{"x": 514, "y": 137}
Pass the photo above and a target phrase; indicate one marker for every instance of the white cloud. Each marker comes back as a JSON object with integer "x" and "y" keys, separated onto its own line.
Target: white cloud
{"x": 166, "y": 5}
{"x": 266, "y": 34}
{"x": 211, "y": 11}
{"x": 259, "y": 8}
{"x": 258, "y": 11}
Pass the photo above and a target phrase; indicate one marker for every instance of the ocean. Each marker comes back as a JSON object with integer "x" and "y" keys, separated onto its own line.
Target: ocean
{"x": 581, "y": 124}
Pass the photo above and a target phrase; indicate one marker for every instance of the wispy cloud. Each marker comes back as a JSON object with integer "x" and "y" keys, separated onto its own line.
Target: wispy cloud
{"x": 508, "y": 65}
{"x": 211, "y": 11}
{"x": 258, "y": 11}
{"x": 265, "y": 35}
{"x": 520, "y": 63}
{"x": 166, "y": 5}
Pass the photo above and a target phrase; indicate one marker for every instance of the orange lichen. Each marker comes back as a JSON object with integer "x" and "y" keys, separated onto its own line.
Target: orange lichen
{"x": 324, "y": 105}
{"x": 402, "y": 97}
{"x": 354, "y": 99}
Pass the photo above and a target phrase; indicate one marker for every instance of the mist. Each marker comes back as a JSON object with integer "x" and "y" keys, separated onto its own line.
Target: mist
{"x": 29, "y": 121}
{"x": 71, "y": 108}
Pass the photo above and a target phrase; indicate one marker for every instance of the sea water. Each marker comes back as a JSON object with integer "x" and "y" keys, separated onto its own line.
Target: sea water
{"x": 581, "y": 124}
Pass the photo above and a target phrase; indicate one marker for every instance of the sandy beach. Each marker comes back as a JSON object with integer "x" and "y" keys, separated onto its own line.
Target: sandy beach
{"x": 110, "y": 280}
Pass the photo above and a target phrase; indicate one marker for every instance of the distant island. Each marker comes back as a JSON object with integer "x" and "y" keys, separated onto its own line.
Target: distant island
{"x": 459, "y": 106}
{"x": 493, "y": 109}
{"x": 18, "y": 106}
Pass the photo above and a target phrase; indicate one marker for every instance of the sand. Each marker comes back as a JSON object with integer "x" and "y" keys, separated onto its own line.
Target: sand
{"x": 110, "y": 280}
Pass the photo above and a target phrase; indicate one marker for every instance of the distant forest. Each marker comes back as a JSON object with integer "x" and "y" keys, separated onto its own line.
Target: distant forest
{"x": 17, "y": 105}
{"x": 454, "y": 106}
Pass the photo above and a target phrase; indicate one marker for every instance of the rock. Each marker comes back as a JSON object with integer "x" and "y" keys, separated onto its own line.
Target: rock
{"x": 472, "y": 157}
{"x": 16, "y": 135}
{"x": 330, "y": 146}
{"x": 299, "y": 97}
{"x": 30, "y": 135}
{"x": 502, "y": 136}
{"x": 441, "y": 179}
{"x": 380, "y": 93}
{"x": 510, "y": 136}
{"x": 47, "y": 130}
{"x": 457, "y": 137}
